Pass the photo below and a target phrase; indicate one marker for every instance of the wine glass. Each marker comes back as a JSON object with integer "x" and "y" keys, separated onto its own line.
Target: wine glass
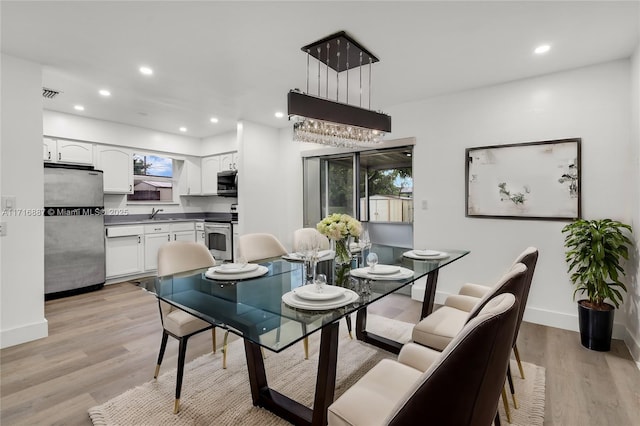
{"x": 372, "y": 261}
{"x": 365, "y": 241}
{"x": 321, "y": 281}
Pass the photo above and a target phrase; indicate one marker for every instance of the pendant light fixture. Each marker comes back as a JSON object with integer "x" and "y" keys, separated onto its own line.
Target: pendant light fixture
{"x": 325, "y": 119}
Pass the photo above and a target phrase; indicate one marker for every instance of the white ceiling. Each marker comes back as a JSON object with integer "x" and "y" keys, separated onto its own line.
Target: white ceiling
{"x": 237, "y": 60}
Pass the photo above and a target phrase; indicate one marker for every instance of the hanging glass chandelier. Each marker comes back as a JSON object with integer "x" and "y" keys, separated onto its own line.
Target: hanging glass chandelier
{"x": 319, "y": 119}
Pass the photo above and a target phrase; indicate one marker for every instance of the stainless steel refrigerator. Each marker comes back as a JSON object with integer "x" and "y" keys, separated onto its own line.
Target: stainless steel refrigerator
{"x": 74, "y": 258}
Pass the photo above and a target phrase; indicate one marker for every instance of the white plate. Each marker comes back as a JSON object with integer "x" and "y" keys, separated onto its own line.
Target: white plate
{"x": 235, "y": 268}
{"x": 348, "y": 296}
{"x": 309, "y": 292}
{"x": 215, "y": 275}
{"x": 413, "y": 255}
{"x": 427, "y": 253}
{"x": 403, "y": 273}
{"x": 383, "y": 270}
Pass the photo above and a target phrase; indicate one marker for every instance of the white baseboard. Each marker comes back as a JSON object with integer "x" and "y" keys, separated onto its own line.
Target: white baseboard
{"x": 23, "y": 334}
{"x": 634, "y": 347}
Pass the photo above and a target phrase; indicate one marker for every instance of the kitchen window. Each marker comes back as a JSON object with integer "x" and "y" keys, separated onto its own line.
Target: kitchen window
{"x": 152, "y": 179}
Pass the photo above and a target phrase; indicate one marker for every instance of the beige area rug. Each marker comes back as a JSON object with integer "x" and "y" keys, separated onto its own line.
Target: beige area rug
{"x": 213, "y": 396}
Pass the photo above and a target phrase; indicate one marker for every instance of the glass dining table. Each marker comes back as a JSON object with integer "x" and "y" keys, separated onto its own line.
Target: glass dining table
{"x": 254, "y": 309}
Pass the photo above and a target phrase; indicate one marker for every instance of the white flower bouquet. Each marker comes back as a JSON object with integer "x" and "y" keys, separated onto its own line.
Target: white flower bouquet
{"x": 339, "y": 226}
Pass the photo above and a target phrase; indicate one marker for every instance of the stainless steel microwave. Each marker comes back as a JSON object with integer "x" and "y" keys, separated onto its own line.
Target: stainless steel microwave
{"x": 228, "y": 183}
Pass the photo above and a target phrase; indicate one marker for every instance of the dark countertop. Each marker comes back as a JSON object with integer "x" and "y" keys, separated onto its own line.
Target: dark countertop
{"x": 133, "y": 219}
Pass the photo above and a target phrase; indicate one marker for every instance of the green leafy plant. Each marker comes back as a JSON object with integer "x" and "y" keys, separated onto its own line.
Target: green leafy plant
{"x": 594, "y": 249}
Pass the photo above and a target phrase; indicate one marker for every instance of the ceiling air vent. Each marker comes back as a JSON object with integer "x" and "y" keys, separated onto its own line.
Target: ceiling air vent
{"x": 49, "y": 93}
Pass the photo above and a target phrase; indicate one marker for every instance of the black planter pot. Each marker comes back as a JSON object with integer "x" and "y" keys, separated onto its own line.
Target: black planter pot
{"x": 595, "y": 327}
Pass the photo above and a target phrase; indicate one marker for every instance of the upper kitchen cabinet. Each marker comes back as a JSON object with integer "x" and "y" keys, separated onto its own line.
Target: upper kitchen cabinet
{"x": 67, "y": 151}
{"x": 191, "y": 178}
{"x": 117, "y": 165}
{"x": 229, "y": 161}
{"x": 210, "y": 169}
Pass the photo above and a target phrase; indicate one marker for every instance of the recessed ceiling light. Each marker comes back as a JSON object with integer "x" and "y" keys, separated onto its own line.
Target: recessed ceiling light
{"x": 213, "y": 120}
{"x": 78, "y": 107}
{"x": 543, "y": 48}
{"x": 279, "y": 114}
{"x": 183, "y": 129}
{"x": 104, "y": 92}
{"x": 146, "y": 71}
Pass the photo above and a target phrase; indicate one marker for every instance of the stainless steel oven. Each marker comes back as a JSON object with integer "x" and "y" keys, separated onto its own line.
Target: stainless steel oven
{"x": 219, "y": 240}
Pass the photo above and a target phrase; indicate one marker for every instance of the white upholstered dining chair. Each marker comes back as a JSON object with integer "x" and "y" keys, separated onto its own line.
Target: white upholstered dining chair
{"x": 181, "y": 258}
{"x": 307, "y": 236}
{"x": 261, "y": 246}
{"x": 460, "y": 386}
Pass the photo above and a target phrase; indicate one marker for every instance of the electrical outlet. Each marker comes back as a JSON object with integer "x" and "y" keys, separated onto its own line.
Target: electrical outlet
{"x": 3, "y": 229}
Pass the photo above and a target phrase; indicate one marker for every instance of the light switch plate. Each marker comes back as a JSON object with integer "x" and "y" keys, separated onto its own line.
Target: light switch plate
{"x": 3, "y": 229}
{"x": 9, "y": 202}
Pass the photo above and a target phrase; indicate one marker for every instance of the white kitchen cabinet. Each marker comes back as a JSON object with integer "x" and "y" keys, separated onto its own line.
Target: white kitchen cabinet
{"x": 210, "y": 168}
{"x": 152, "y": 243}
{"x": 229, "y": 161}
{"x": 67, "y": 151}
{"x": 183, "y": 231}
{"x": 50, "y": 150}
{"x": 191, "y": 179}
{"x": 200, "y": 235}
{"x": 124, "y": 250}
{"x": 117, "y": 165}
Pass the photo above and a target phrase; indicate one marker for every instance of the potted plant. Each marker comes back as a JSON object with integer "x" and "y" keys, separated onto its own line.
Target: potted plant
{"x": 594, "y": 249}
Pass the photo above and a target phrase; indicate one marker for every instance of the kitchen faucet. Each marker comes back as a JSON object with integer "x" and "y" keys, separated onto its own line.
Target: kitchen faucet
{"x": 154, "y": 212}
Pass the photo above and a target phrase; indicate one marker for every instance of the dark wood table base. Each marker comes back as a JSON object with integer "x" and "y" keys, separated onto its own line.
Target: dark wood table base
{"x": 282, "y": 405}
{"x": 388, "y": 344}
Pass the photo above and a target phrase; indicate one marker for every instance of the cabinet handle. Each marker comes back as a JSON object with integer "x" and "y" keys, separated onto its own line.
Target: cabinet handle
{"x": 169, "y": 237}
{"x": 230, "y": 166}
{"x": 139, "y": 240}
{"x": 235, "y": 167}
{"x": 130, "y": 188}
{"x": 49, "y": 156}
{"x": 59, "y": 156}
{"x": 175, "y": 237}
{"x": 157, "y": 229}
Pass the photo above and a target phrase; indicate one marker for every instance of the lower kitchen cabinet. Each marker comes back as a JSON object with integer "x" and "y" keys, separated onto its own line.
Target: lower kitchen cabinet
{"x": 152, "y": 243}
{"x": 124, "y": 251}
{"x": 133, "y": 249}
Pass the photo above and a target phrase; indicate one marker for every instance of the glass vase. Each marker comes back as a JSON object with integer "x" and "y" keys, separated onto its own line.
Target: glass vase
{"x": 342, "y": 262}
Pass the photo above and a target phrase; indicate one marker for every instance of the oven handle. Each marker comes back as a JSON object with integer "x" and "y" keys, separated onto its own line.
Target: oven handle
{"x": 217, "y": 226}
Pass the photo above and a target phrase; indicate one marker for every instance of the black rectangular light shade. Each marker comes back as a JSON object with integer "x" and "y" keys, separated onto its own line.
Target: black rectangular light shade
{"x": 327, "y": 110}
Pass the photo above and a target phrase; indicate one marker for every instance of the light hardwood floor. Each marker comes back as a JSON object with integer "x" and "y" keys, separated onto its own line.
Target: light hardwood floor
{"x": 103, "y": 343}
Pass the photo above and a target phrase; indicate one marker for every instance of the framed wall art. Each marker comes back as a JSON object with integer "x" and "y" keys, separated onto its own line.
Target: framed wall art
{"x": 533, "y": 180}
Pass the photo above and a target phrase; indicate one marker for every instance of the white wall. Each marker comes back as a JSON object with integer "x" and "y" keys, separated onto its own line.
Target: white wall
{"x": 270, "y": 168}
{"x": 591, "y": 103}
{"x": 22, "y": 261}
{"x": 632, "y": 306}
{"x": 219, "y": 144}
{"x": 69, "y": 126}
